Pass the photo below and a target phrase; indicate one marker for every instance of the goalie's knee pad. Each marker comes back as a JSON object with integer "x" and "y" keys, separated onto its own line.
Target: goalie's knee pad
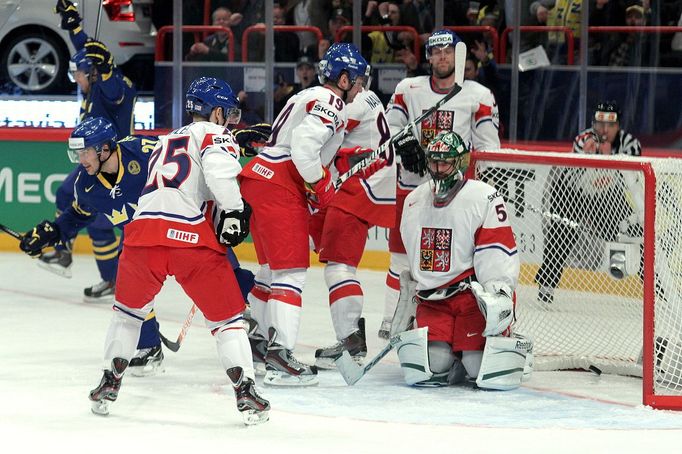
{"x": 406, "y": 309}
{"x": 413, "y": 353}
{"x": 505, "y": 362}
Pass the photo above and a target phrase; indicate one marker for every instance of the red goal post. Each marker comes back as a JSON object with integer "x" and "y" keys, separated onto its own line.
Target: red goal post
{"x": 601, "y": 262}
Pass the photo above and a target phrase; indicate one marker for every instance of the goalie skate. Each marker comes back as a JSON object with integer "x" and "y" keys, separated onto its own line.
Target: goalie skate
{"x": 385, "y": 330}
{"x": 100, "y": 293}
{"x": 147, "y": 361}
{"x": 57, "y": 262}
{"x": 253, "y": 408}
{"x": 355, "y": 344}
{"x": 283, "y": 369}
{"x": 108, "y": 388}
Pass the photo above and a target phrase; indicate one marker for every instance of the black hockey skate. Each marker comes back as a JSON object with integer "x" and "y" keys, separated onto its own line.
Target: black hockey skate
{"x": 254, "y": 409}
{"x": 356, "y": 345}
{"x": 259, "y": 348}
{"x": 102, "y": 292}
{"x": 282, "y": 369}
{"x": 107, "y": 391}
{"x": 147, "y": 361}
{"x": 58, "y": 262}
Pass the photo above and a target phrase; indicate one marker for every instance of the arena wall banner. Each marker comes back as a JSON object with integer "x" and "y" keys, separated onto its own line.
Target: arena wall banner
{"x": 33, "y": 163}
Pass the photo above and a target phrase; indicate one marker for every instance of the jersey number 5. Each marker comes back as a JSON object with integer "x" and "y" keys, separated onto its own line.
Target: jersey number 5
{"x": 175, "y": 152}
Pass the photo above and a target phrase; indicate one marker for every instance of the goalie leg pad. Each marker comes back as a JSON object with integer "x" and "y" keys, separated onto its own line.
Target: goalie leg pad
{"x": 413, "y": 353}
{"x": 503, "y": 363}
{"x": 406, "y": 310}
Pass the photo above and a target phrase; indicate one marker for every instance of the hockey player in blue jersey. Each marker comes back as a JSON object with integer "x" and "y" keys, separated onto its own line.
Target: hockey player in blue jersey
{"x": 108, "y": 94}
{"x": 107, "y": 184}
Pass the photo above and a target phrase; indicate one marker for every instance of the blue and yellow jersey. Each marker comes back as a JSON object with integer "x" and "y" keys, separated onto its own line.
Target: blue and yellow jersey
{"x": 112, "y": 95}
{"x": 118, "y": 201}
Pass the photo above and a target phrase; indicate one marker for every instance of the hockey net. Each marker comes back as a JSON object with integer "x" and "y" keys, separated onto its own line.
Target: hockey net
{"x": 599, "y": 239}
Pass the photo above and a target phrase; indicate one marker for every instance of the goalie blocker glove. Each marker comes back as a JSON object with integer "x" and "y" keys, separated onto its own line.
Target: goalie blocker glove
{"x": 496, "y": 306}
{"x": 233, "y": 226}
{"x": 412, "y": 156}
{"x": 251, "y": 137}
{"x": 71, "y": 20}
{"x": 43, "y": 235}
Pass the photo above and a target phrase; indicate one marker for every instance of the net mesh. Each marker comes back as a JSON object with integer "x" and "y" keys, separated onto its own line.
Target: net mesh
{"x": 579, "y": 232}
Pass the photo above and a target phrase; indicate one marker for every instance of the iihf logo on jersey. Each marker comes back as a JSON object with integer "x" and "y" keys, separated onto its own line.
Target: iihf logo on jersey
{"x": 435, "y": 249}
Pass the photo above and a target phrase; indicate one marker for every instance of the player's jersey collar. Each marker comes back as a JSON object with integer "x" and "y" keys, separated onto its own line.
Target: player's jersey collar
{"x": 121, "y": 169}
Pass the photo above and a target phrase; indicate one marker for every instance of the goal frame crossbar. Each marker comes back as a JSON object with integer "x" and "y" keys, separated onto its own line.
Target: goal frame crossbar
{"x": 634, "y": 164}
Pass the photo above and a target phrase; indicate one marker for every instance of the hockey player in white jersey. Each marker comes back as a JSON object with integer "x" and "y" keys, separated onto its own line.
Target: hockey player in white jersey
{"x": 189, "y": 210}
{"x": 462, "y": 254}
{"x": 290, "y": 176}
{"x": 340, "y": 231}
{"x": 472, "y": 114}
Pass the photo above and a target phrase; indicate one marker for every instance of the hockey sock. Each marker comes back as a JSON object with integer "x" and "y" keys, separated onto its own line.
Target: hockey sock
{"x": 233, "y": 346}
{"x": 123, "y": 333}
{"x": 284, "y": 305}
{"x": 392, "y": 293}
{"x": 149, "y": 333}
{"x": 258, "y": 299}
{"x": 345, "y": 298}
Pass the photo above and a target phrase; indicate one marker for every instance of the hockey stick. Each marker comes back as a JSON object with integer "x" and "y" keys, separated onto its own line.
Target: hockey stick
{"x": 460, "y": 60}
{"x": 175, "y": 346}
{"x": 352, "y": 372}
{"x": 11, "y": 232}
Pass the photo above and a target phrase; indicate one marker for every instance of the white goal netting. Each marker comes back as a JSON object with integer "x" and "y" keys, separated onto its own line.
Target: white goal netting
{"x": 579, "y": 223}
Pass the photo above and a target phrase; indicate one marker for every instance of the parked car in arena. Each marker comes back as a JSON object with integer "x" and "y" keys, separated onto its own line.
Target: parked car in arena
{"x": 35, "y": 51}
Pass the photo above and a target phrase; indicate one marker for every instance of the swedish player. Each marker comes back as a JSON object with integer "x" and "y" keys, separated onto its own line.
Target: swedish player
{"x": 107, "y": 182}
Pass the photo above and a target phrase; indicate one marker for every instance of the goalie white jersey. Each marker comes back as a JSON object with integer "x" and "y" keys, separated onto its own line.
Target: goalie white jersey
{"x": 371, "y": 199}
{"x": 305, "y": 136}
{"x": 191, "y": 169}
{"x": 471, "y": 236}
{"x": 472, "y": 114}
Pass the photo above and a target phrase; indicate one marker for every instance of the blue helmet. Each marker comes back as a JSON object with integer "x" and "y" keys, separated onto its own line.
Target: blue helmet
{"x": 79, "y": 62}
{"x": 206, "y": 93}
{"x": 343, "y": 57}
{"x": 94, "y": 132}
{"x": 441, "y": 38}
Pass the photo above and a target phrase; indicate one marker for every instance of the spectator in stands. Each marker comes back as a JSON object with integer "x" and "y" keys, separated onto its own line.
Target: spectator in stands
{"x": 481, "y": 68}
{"x": 287, "y": 44}
{"x": 565, "y": 13}
{"x": 632, "y": 49}
{"x": 216, "y": 46}
{"x": 386, "y": 43}
{"x": 307, "y": 77}
{"x": 301, "y": 12}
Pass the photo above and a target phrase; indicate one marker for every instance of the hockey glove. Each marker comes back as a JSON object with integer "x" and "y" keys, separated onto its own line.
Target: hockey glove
{"x": 43, "y": 235}
{"x": 233, "y": 226}
{"x": 71, "y": 20}
{"x": 321, "y": 192}
{"x": 252, "y": 137}
{"x": 496, "y": 305}
{"x": 100, "y": 56}
{"x": 412, "y": 156}
{"x": 348, "y": 157}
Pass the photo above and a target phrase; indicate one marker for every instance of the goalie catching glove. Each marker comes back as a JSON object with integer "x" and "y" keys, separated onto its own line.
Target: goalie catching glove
{"x": 348, "y": 157}
{"x": 43, "y": 235}
{"x": 233, "y": 226}
{"x": 252, "y": 137}
{"x": 321, "y": 192}
{"x": 412, "y": 156}
{"x": 496, "y": 305}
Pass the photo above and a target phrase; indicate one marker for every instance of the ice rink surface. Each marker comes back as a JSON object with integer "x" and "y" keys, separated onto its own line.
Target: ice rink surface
{"x": 51, "y": 352}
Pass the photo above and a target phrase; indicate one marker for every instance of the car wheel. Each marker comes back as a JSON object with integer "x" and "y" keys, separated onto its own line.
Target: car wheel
{"x": 35, "y": 62}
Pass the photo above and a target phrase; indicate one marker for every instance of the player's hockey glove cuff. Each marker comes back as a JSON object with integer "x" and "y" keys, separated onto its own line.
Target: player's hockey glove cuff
{"x": 233, "y": 226}
{"x": 43, "y": 235}
{"x": 101, "y": 57}
{"x": 71, "y": 20}
{"x": 412, "y": 156}
{"x": 252, "y": 137}
{"x": 321, "y": 192}
{"x": 348, "y": 157}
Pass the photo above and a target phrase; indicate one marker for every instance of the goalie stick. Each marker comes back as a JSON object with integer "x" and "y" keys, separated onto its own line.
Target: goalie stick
{"x": 175, "y": 346}
{"x": 460, "y": 60}
{"x": 10, "y": 232}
